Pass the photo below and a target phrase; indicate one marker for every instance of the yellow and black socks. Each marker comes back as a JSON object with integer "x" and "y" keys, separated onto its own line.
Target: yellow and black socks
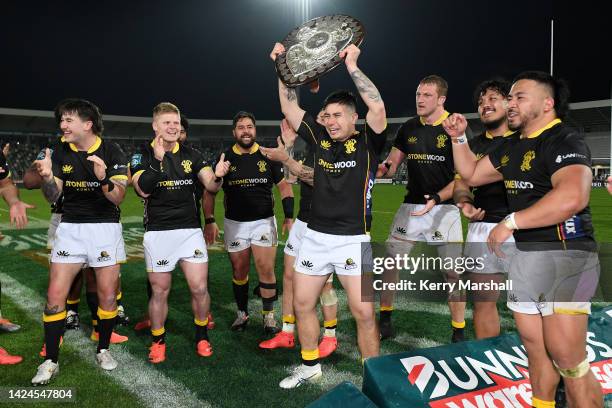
{"x": 54, "y": 328}
{"x": 385, "y": 313}
{"x": 458, "y": 328}
{"x": 92, "y": 304}
{"x": 241, "y": 294}
{"x": 310, "y": 358}
{"x": 159, "y": 335}
{"x": 201, "y": 330}
{"x": 538, "y": 403}
{"x": 268, "y": 302}
{"x": 72, "y": 305}
{"x": 288, "y": 323}
{"x": 106, "y": 324}
{"x": 330, "y": 327}
{"x": 119, "y": 297}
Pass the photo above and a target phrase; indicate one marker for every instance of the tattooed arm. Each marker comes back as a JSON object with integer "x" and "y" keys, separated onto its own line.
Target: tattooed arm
{"x": 279, "y": 154}
{"x": 287, "y": 96}
{"x": 376, "y": 116}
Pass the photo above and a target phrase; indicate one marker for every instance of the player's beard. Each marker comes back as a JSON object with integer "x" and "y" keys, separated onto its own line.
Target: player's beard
{"x": 494, "y": 124}
{"x": 245, "y": 145}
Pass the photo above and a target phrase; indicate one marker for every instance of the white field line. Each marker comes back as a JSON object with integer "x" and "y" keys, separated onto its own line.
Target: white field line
{"x": 153, "y": 388}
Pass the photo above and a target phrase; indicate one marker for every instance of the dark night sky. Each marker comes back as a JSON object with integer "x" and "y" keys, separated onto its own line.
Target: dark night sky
{"x": 211, "y": 57}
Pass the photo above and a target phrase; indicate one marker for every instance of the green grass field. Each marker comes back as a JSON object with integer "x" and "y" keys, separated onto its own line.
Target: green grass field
{"x": 239, "y": 374}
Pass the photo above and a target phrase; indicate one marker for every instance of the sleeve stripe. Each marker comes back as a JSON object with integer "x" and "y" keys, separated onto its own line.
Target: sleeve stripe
{"x": 311, "y": 132}
{"x": 138, "y": 173}
{"x": 119, "y": 177}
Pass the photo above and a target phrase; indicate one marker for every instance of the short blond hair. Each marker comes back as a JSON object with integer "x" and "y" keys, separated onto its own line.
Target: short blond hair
{"x": 165, "y": 107}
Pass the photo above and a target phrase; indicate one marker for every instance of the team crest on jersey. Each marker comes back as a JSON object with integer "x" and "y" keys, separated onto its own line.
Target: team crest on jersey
{"x": 349, "y": 145}
{"x": 505, "y": 160}
{"x": 441, "y": 141}
{"x": 186, "y": 165}
{"x": 325, "y": 144}
{"x": 412, "y": 140}
{"x": 262, "y": 166}
{"x": 527, "y": 158}
{"x": 67, "y": 169}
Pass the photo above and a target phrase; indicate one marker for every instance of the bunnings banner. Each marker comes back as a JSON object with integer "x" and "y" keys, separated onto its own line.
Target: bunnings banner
{"x": 489, "y": 373}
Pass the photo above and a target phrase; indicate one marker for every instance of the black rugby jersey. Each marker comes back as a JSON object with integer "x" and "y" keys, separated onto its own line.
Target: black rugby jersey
{"x": 343, "y": 179}
{"x": 490, "y": 197}
{"x": 248, "y": 185}
{"x": 84, "y": 201}
{"x": 174, "y": 202}
{"x": 429, "y": 158}
{"x": 527, "y": 165}
{"x": 4, "y": 165}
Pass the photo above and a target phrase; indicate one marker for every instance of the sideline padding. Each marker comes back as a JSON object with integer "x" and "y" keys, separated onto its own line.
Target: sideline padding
{"x": 344, "y": 394}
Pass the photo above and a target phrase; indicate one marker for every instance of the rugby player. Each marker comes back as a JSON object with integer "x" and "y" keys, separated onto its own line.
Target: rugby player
{"x": 336, "y": 238}
{"x": 249, "y": 224}
{"x": 555, "y": 270}
{"x": 165, "y": 175}
{"x": 485, "y": 206}
{"x": 91, "y": 173}
{"x": 328, "y": 299}
{"x": 18, "y": 217}
{"x": 427, "y": 214}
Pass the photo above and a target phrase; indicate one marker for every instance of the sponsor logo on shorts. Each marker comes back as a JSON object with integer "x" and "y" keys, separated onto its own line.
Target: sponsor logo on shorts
{"x": 307, "y": 264}
{"x": 67, "y": 169}
{"x": 63, "y": 253}
{"x": 527, "y": 158}
{"x": 325, "y": 144}
{"x": 162, "y": 262}
{"x": 560, "y": 158}
{"x": 264, "y": 238}
{"x": 349, "y": 146}
{"x": 234, "y": 244}
{"x": 437, "y": 236}
{"x": 401, "y": 230}
{"x": 541, "y": 302}
{"x": 441, "y": 141}
{"x": 513, "y": 298}
{"x": 104, "y": 256}
{"x": 186, "y": 166}
{"x": 290, "y": 246}
{"x": 198, "y": 254}
{"x": 350, "y": 264}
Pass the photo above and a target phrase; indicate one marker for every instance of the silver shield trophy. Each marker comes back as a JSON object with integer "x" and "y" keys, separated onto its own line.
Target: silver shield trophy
{"x": 313, "y": 48}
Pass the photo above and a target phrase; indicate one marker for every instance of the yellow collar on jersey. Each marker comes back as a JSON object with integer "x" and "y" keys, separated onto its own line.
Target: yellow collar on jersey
{"x": 540, "y": 131}
{"x": 92, "y": 149}
{"x": 437, "y": 122}
{"x": 254, "y": 148}
{"x": 490, "y": 136}
{"x": 175, "y": 149}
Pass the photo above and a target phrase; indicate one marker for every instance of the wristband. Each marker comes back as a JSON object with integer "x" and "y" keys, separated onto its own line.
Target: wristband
{"x": 210, "y": 220}
{"x": 435, "y": 197}
{"x": 510, "y": 222}
{"x": 288, "y": 207}
{"x": 460, "y": 140}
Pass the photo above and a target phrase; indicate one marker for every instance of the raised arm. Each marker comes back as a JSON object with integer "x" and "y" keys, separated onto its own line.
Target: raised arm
{"x": 376, "y": 116}
{"x": 473, "y": 171}
{"x": 212, "y": 181}
{"x": 287, "y": 96}
{"x": 51, "y": 186}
